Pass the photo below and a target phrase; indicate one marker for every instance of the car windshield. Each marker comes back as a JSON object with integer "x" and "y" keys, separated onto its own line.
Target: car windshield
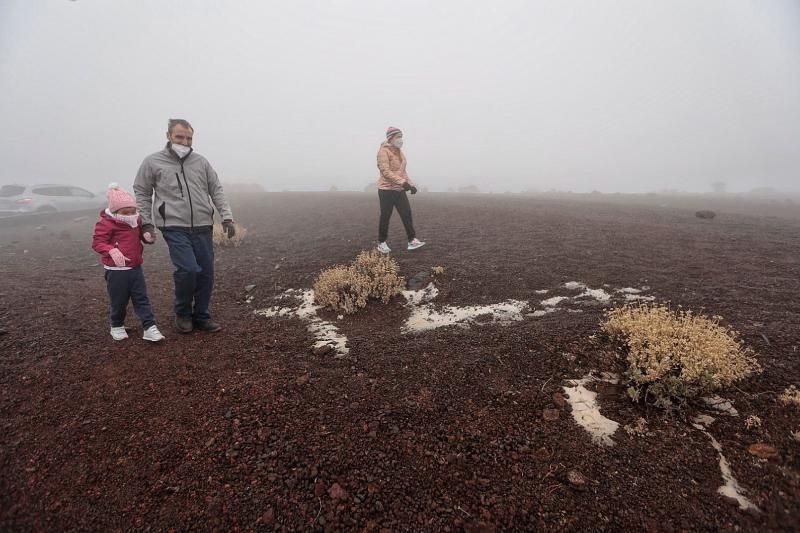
{"x": 11, "y": 190}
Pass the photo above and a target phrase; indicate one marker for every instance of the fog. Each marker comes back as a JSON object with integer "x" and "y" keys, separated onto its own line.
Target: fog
{"x": 624, "y": 96}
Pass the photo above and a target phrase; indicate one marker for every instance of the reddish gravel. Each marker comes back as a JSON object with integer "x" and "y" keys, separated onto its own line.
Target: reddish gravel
{"x": 449, "y": 430}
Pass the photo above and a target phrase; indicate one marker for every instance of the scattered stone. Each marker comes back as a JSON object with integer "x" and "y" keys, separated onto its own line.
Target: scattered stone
{"x": 248, "y": 288}
{"x": 419, "y": 281}
{"x": 762, "y": 450}
{"x": 706, "y": 214}
{"x": 268, "y": 517}
{"x": 577, "y": 480}
{"x": 3, "y": 332}
{"x": 608, "y": 391}
{"x": 336, "y": 492}
{"x": 559, "y": 399}
{"x": 325, "y": 349}
{"x": 302, "y": 380}
{"x": 551, "y": 415}
{"x": 319, "y": 489}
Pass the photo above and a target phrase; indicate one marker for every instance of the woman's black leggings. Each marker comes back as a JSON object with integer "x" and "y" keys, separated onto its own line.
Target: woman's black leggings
{"x": 389, "y": 200}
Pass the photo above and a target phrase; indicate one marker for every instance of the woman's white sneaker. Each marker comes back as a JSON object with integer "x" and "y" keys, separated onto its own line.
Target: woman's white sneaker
{"x": 415, "y": 243}
{"x": 119, "y": 334}
{"x": 384, "y": 248}
{"x": 152, "y": 334}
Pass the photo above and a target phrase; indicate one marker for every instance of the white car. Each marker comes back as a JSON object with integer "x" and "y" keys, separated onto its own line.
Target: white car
{"x": 46, "y": 198}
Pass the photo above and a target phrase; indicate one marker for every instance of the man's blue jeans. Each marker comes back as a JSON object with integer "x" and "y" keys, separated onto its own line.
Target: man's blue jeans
{"x": 192, "y": 253}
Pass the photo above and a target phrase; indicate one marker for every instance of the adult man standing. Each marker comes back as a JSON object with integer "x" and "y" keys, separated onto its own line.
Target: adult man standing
{"x": 175, "y": 189}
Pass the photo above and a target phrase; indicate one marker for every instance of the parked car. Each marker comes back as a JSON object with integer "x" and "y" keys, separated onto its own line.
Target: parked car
{"x": 46, "y": 198}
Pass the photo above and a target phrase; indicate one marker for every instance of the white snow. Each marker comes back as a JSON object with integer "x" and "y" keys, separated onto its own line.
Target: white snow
{"x": 586, "y": 411}
{"x": 324, "y": 331}
{"x": 428, "y": 317}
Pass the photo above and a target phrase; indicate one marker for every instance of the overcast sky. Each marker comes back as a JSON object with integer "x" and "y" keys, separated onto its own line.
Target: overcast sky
{"x": 508, "y": 95}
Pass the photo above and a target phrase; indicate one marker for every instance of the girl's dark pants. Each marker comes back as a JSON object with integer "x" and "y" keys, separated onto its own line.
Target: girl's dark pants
{"x": 390, "y": 200}
{"x": 124, "y": 285}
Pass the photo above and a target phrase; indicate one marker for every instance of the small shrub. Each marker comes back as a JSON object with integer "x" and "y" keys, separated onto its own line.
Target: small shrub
{"x": 791, "y": 396}
{"x": 342, "y": 288}
{"x": 383, "y": 273}
{"x": 437, "y": 270}
{"x": 221, "y": 238}
{"x": 673, "y": 356}
{"x": 348, "y": 288}
{"x": 752, "y": 422}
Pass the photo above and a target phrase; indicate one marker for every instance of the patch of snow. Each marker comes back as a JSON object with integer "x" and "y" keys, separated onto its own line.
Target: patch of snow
{"x": 324, "y": 331}
{"x": 427, "y": 317}
{"x": 638, "y": 298}
{"x": 629, "y": 290}
{"x": 421, "y": 296}
{"x": 586, "y": 411}
{"x": 703, "y": 420}
{"x": 574, "y": 285}
{"x": 721, "y": 405}
{"x": 554, "y": 301}
{"x": 541, "y": 291}
{"x": 598, "y": 294}
{"x": 731, "y": 488}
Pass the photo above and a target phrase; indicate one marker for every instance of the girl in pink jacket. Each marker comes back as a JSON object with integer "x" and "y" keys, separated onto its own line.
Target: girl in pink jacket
{"x": 118, "y": 237}
{"x": 392, "y": 186}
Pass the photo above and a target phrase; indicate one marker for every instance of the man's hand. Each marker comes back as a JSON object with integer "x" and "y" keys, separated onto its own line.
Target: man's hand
{"x": 118, "y": 257}
{"x": 413, "y": 190}
{"x": 149, "y": 233}
{"x": 229, "y": 227}
{"x": 406, "y": 186}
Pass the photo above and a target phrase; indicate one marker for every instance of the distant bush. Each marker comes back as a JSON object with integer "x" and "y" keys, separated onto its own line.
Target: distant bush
{"x": 791, "y": 396}
{"x": 221, "y": 238}
{"x": 673, "y": 356}
{"x": 348, "y": 288}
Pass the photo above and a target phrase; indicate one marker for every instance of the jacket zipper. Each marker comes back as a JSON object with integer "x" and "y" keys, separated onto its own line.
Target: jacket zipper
{"x": 189, "y": 192}
{"x": 180, "y": 185}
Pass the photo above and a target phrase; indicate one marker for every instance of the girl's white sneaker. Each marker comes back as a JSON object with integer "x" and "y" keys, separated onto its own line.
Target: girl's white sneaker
{"x": 415, "y": 243}
{"x": 153, "y": 335}
{"x": 119, "y": 334}
{"x": 384, "y": 248}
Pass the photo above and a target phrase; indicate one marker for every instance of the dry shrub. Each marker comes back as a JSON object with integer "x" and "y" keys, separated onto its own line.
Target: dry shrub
{"x": 372, "y": 275}
{"x": 791, "y": 396}
{"x": 752, "y": 422}
{"x": 221, "y": 237}
{"x": 673, "y": 356}
{"x": 437, "y": 270}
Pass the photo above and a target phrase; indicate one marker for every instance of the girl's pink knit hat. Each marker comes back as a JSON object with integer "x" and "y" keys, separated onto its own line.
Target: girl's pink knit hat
{"x": 119, "y": 198}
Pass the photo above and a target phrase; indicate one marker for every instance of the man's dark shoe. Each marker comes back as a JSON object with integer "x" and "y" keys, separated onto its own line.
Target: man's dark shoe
{"x": 183, "y": 324}
{"x": 209, "y": 326}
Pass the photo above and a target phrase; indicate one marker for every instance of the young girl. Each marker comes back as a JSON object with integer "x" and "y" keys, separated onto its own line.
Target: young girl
{"x": 118, "y": 238}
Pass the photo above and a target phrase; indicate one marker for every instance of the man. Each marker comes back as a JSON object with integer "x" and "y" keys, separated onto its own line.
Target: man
{"x": 175, "y": 189}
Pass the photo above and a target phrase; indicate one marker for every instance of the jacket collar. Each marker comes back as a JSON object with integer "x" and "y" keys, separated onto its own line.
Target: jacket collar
{"x": 170, "y": 152}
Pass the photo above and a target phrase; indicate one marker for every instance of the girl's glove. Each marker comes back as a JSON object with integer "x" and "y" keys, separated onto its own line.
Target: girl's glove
{"x": 149, "y": 233}
{"x": 118, "y": 257}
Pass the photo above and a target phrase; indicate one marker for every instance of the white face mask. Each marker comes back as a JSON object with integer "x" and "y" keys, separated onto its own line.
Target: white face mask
{"x": 397, "y": 142}
{"x": 131, "y": 220}
{"x": 181, "y": 150}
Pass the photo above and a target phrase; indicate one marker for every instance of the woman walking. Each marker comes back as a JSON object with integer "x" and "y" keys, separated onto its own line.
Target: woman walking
{"x": 392, "y": 187}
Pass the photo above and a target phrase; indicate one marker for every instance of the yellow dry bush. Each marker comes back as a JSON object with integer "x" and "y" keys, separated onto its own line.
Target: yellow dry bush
{"x": 221, "y": 238}
{"x": 677, "y": 355}
{"x": 383, "y": 273}
{"x": 437, "y": 270}
{"x": 791, "y": 396}
{"x": 372, "y": 275}
{"x": 342, "y": 288}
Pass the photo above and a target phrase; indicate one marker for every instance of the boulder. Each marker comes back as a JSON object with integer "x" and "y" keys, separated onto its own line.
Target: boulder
{"x": 707, "y": 214}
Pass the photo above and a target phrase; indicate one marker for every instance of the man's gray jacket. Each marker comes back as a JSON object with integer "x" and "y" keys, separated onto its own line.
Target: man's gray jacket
{"x": 178, "y": 194}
